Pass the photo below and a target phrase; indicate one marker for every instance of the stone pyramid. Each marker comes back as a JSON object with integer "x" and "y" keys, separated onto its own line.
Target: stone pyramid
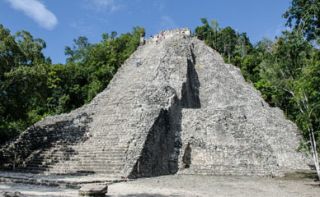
{"x": 173, "y": 107}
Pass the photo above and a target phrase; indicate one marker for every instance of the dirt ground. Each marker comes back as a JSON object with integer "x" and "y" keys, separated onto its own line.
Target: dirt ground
{"x": 178, "y": 185}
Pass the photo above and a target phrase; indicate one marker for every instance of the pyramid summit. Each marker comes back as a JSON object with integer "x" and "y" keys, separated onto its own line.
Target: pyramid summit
{"x": 173, "y": 107}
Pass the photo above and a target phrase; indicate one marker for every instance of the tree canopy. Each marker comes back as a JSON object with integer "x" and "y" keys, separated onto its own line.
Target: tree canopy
{"x": 305, "y": 15}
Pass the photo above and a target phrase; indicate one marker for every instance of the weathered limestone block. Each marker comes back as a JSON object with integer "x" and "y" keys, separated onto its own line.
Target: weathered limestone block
{"x": 93, "y": 190}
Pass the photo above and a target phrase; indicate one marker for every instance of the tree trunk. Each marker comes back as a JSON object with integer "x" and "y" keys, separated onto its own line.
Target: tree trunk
{"x": 314, "y": 152}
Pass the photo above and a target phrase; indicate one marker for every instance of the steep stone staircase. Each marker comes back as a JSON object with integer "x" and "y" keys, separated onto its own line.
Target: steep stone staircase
{"x": 120, "y": 117}
{"x": 173, "y": 107}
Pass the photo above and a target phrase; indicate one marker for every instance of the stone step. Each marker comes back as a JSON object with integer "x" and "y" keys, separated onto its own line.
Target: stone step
{"x": 258, "y": 170}
{"x": 95, "y": 162}
{"x": 73, "y": 168}
{"x": 71, "y": 181}
{"x": 105, "y": 156}
{"x": 96, "y": 168}
{"x": 87, "y": 163}
{"x": 79, "y": 159}
{"x": 84, "y": 168}
{"x": 81, "y": 152}
{"x": 98, "y": 149}
{"x": 84, "y": 156}
{"x": 64, "y": 172}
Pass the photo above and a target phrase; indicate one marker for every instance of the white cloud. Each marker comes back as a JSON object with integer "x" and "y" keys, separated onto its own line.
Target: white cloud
{"x": 110, "y": 5}
{"x": 37, "y": 11}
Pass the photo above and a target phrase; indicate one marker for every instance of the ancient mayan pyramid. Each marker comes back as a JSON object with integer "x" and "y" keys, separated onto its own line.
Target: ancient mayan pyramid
{"x": 173, "y": 107}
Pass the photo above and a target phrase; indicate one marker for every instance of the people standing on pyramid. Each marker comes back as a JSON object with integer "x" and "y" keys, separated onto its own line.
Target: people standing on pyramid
{"x": 142, "y": 41}
{"x": 183, "y": 34}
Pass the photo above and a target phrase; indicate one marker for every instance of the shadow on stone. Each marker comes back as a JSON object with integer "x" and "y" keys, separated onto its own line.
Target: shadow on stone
{"x": 190, "y": 89}
{"x": 186, "y": 159}
{"x": 161, "y": 151}
{"x": 27, "y": 152}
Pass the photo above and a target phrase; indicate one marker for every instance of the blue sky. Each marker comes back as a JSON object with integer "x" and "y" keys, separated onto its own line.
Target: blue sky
{"x": 58, "y": 22}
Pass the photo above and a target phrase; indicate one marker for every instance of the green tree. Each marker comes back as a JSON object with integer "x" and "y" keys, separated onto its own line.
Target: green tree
{"x": 202, "y": 32}
{"x": 10, "y": 53}
{"x": 283, "y": 67}
{"x": 31, "y": 87}
{"x": 22, "y": 80}
{"x": 305, "y": 15}
{"x": 292, "y": 72}
{"x": 78, "y": 51}
{"x": 307, "y": 98}
{"x": 227, "y": 42}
